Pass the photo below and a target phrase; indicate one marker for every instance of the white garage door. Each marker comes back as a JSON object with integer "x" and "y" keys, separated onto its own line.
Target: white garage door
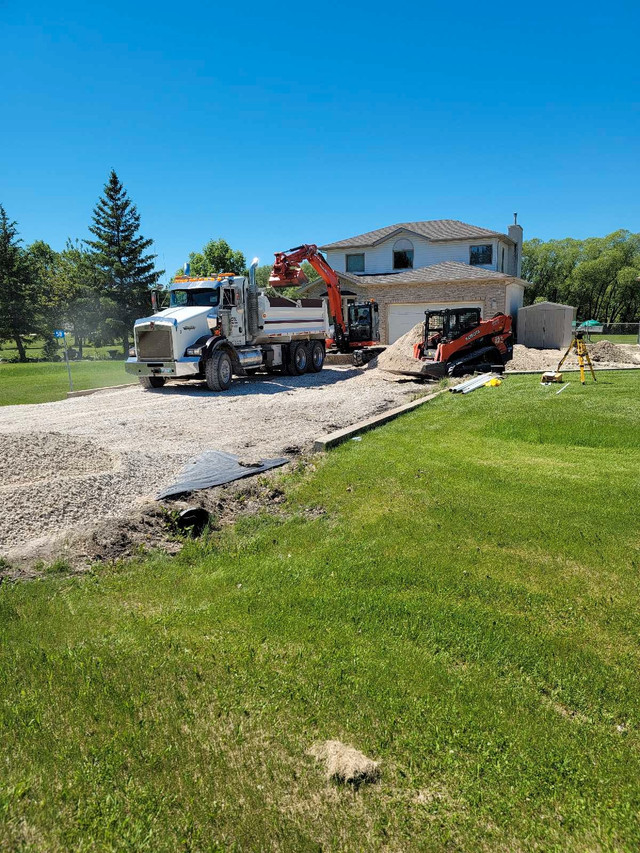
{"x": 404, "y": 315}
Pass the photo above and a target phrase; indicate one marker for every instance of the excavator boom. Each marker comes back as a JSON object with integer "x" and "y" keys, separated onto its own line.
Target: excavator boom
{"x": 286, "y": 272}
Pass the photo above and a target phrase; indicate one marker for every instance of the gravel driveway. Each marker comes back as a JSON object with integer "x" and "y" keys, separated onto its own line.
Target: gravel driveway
{"x": 68, "y": 464}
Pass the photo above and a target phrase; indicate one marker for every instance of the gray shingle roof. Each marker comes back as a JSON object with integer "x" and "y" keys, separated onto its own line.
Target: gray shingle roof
{"x": 433, "y": 229}
{"x": 445, "y": 271}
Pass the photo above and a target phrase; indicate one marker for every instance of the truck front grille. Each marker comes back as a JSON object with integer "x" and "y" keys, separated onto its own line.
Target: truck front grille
{"x": 154, "y": 344}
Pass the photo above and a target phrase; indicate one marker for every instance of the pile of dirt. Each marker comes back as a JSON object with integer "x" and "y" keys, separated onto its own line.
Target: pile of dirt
{"x": 148, "y": 526}
{"x": 604, "y": 353}
{"x": 528, "y": 358}
{"x": 399, "y": 355}
{"x": 607, "y": 351}
{"x": 344, "y": 763}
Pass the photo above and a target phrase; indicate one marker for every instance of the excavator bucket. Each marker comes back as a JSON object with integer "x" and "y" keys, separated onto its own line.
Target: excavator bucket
{"x": 286, "y": 274}
{"x": 434, "y": 369}
{"x": 423, "y": 369}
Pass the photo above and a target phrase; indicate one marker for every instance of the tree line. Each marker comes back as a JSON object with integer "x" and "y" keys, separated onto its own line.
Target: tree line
{"x": 599, "y": 276}
{"x": 99, "y": 286}
{"x": 95, "y": 287}
{"x": 218, "y": 256}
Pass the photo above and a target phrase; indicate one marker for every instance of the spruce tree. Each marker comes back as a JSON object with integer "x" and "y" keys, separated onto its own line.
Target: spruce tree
{"x": 20, "y": 298}
{"x": 121, "y": 254}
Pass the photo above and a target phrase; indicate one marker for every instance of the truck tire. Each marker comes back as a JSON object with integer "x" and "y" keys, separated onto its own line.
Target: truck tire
{"x": 150, "y": 382}
{"x": 218, "y": 371}
{"x": 298, "y": 359}
{"x": 316, "y": 359}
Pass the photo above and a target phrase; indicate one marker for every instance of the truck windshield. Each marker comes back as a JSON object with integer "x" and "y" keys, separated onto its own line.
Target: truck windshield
{"x": 204, "y": 297}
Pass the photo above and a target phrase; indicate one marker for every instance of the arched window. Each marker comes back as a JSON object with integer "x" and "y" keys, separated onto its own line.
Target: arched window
{"x": 403, "y": 254}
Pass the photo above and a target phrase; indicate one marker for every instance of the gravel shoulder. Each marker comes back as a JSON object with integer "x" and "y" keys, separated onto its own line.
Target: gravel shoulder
{"x": 70, "y": 464}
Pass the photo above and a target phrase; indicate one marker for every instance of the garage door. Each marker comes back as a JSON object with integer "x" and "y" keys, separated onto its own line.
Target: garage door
{"x": 404, "y": 315}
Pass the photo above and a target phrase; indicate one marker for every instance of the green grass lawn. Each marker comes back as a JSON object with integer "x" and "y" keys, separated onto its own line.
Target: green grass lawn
{"x": 41, "y": 382}
{"x": 33, "y": 347}
{"x": 456, "y": 594}
{"x": 615, "y": 339}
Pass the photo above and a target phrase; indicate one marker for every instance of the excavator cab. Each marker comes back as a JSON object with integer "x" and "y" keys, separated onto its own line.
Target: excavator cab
{"x": 363, "y": 322}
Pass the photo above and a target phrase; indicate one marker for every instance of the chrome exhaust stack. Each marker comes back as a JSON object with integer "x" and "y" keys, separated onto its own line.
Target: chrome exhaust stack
{"x": 252, "y": 300}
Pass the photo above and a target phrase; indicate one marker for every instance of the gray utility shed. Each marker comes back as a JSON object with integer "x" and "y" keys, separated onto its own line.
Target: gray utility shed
{"x": 546, "y": 325}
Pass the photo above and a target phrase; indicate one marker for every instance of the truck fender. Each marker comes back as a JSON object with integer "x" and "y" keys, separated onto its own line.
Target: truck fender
{"x": 215, "y": 343}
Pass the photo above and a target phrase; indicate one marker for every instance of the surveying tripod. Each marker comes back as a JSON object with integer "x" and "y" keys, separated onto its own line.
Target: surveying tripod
{"x": 580, "y": 347}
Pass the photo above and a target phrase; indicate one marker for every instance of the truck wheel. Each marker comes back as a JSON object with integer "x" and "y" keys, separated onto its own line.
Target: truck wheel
{"x": 298, "y": 359}
{"x": 149, "y": 382}
{"x": 317, "y": 358}
{"x": 218, "y": 371}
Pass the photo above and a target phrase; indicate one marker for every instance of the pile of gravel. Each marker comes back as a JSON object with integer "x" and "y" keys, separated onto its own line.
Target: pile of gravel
{"x": 398, "y": 357}
{"x": 34, "y": 457}
{"x": 73, "y": 463}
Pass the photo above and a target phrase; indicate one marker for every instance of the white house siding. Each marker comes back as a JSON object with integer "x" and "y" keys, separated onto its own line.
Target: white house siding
{"x": 514, "y": 298}
{"x": 379, "y": 259}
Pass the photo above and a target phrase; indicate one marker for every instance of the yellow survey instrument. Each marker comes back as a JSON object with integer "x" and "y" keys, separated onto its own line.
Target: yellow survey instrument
{"x": 578, "y": 344}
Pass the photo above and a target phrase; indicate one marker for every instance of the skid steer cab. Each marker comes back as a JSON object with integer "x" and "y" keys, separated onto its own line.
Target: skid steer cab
{"x": 458, "y": 341}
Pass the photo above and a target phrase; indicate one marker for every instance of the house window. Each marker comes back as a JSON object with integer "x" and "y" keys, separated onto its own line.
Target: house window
{"x": 502, "y": 262}
{"x": 480, "y": 255}
{"x": 403, "y": 255}
{"x": 355, "y": 263}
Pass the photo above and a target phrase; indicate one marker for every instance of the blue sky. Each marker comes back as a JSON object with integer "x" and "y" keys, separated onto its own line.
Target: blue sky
{"x": 276, "y": 124}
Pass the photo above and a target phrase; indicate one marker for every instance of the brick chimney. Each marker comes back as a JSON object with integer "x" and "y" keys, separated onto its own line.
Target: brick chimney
{"x": 515, "y": 232}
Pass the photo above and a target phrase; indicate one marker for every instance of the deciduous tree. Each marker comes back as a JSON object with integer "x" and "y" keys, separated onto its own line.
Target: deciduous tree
{"x": 217, "y": 256}
{"x": 600, "y": 276}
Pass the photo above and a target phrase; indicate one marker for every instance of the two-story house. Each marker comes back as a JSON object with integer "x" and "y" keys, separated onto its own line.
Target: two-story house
{"x": 415, "y": 266}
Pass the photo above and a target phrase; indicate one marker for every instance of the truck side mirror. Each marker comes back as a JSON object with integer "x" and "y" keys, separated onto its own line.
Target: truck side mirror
{"x": 154, "y": 300}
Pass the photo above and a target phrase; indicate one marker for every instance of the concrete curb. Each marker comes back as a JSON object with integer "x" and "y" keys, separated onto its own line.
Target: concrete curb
{"x": 340, "y": 435}
{"x": 89, "y": 391}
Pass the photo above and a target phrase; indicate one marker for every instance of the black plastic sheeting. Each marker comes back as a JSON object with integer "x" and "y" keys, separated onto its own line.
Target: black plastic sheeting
{"x": 215, "y": 468}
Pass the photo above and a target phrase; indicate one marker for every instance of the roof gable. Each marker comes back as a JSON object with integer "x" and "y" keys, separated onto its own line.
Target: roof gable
{"x": 435, "y": 230}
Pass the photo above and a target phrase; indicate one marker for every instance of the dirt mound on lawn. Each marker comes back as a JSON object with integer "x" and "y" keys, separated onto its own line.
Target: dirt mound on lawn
{"x": 343, "y": 763}
{"x": 399, "y": 356}
{"x": 607, "y": 351}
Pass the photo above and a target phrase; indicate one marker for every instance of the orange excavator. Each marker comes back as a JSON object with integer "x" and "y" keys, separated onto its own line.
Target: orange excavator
{"x": 458, "y": 341}
{"x": 361, "y": 329}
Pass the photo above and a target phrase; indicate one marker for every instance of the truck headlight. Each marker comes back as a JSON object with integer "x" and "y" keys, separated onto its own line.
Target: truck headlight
{"x": 132, "y": 352}
{"x": 193, "y": 351}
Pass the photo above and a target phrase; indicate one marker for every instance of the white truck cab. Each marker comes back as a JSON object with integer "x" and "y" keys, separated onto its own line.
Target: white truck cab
{"x": 217, "y": 326}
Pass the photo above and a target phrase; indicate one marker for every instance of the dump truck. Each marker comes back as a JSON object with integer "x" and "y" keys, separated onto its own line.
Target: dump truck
{"x": 219, "y": 326}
